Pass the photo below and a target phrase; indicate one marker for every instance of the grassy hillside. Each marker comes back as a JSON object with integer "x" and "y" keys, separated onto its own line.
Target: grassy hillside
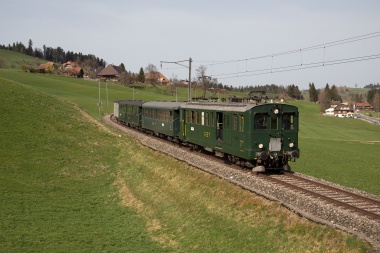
{"x": 14, "y": 60}
{"x": 69, "y": 184}
{"x": 340, "y": 150}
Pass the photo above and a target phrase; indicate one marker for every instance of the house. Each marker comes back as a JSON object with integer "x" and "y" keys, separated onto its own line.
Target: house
{"x": 157, "y": 77}
{"x": 363, "y": 106}
{"x": 343, "y": 110}
{"x": 46, "y": 67}
{"x": 330, "y": 111}
{"x": 111, "y": 72}
{"x": 72, "y": 69}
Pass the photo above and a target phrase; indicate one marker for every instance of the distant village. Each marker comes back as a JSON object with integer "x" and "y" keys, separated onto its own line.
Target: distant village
{"x": 91, "y": 67}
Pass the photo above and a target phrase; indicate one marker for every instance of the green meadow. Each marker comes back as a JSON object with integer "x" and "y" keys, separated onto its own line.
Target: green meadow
{"x": 341, "y": 150}
{"x": 72, "y": 184}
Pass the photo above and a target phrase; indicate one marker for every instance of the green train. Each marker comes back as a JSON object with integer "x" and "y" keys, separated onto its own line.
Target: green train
{"x": 256, "y": 136}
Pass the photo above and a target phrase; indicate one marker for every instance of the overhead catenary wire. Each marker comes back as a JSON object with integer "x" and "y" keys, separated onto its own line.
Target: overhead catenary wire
{"x": 299, "y": 67}
{"x": 302, "y": 65}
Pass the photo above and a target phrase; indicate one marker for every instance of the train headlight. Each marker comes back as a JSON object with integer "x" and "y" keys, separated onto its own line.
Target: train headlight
{"x": 276, "y": 111}
{"x": 260, "y": 145}
{"x": 291, "y": 144}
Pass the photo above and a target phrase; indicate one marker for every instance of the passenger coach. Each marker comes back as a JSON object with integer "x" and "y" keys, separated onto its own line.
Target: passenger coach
{"x": 262, "y": 136}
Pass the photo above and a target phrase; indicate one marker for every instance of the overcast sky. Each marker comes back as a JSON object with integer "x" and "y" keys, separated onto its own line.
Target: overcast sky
{"x": 138, "y": 33}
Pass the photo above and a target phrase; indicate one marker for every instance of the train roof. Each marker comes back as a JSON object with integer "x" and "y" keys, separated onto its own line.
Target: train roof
{"x": 237, "y": 107}
{"x": 129, "y": 102}
{"x": 162, "y": 105}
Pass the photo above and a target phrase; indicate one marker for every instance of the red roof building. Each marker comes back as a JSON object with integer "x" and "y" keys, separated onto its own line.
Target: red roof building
{"x": 157, "y": 77}
{"x": 363, "y": 106}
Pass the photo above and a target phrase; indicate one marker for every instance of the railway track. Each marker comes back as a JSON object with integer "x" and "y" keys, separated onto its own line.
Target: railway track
{"x": 331, "y": 195}
{"x": 323, "y": 202}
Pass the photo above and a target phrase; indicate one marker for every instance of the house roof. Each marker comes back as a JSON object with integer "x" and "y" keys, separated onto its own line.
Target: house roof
{"x": 70, "y": 64}
{"x": 111, "y": 70}
{"x": 343, "y": 108}
{"x": 44, "y": 65}
{"x": 157, "y": 75}
{"x": 365, "y": 104}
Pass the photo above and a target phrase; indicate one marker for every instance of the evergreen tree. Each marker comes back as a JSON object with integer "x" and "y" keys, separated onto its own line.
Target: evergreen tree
{"x": 122, "y": 67}
{"x": 141, "y": 76}
{"x": 334, "y": 95}
{"x": 313, "y": 93}
{"x": 29, "y": 51}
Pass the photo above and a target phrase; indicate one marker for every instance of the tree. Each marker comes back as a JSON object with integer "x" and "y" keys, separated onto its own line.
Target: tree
{"x": 313, "y": 93}
{"x": 376, "y": 102}
{"x": 205, "y": 80}
{"x": 358, "y": 98}
{"x": 294, "y": 92}
{"x": 122, "y": 67}
{"x": 324, "y": 101}
{"x": 334, "y": 95}
{"x": 152, "y": 74}
{"x": 29, "y": 51}
{"x": 141, "y": 76}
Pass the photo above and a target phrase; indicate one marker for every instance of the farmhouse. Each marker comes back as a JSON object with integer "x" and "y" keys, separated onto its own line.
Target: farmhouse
{"x": 111, "y": 72}
{"x": 46, "y": 67}
{"x": 363, "y": 106}
{"x": 329, "y": 111}
{"x": 157, "y": 77}
{"x": 343, "y": 110}
{"x": 72, "y": 69}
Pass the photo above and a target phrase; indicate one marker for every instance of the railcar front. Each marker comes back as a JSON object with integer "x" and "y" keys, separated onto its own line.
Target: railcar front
{"x": 274, "y": 138}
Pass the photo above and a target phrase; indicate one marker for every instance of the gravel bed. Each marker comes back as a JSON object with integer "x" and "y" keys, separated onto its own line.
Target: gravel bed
{"x": 306, "y": 206}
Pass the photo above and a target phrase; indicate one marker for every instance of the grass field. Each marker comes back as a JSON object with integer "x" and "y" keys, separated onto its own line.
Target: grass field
{"x": 341, "y": 150}
{"x": 70, "y": 184}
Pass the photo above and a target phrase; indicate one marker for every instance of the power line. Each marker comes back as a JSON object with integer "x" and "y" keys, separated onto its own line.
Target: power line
{"x": 297, "y": 67}
{"x": 320, "y": 46}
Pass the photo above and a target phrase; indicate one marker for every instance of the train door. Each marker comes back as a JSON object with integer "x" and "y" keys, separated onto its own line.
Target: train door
{"x": 223, "y": 128}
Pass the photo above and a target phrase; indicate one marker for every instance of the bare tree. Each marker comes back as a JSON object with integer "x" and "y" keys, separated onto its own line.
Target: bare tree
{"x": 205, "y": 80}
{"x": 152, "y": 74}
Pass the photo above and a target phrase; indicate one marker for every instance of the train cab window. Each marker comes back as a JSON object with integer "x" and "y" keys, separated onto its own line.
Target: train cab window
{"x": 287, "y": 122}
{"x": 260, "y": 120}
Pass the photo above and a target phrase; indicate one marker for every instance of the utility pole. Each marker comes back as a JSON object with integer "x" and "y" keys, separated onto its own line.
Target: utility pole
{"x": 189, "y": 67}
{"x": 189, "y": 91}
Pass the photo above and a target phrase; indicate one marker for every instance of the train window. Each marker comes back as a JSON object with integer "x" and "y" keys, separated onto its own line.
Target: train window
{"x": 198, "y": 118}
{"x": 287, "y": 122}
{"x": 192, "y": 117}
{"x": 234, "y": 122}
{"x": 274, "y": 123}
{"x": 206, "y": 119}
{"x": 226, "y": 121}
{"x": 260, "y": 120}
{"x": 212, "y": 119}
{"x": 241, "y": 123}
{"x": 188, "y": 116}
